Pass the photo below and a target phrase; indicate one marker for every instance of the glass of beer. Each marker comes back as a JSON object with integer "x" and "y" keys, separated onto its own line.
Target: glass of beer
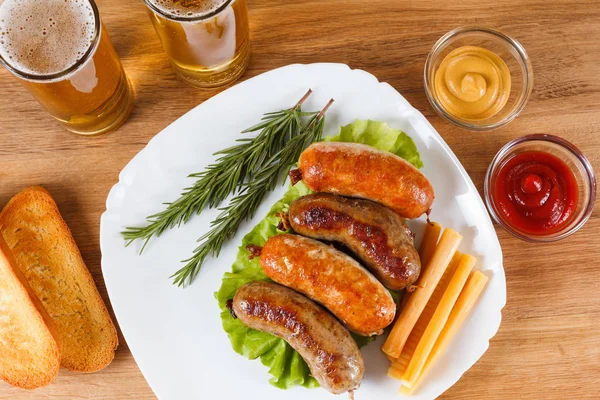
{"x": 62, "y": 54}
{"x": 207, "y": 41}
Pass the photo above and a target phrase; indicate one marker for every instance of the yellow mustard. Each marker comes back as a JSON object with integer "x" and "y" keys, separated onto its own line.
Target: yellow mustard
{"x": 472, "y": 83}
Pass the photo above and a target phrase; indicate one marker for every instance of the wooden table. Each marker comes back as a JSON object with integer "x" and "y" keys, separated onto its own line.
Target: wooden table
{"x": 548, "y": 346}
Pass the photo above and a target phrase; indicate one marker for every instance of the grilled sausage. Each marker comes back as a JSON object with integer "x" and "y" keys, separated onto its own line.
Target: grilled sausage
{"x": 374, "y": 233}
{"x": 358, "y": 170}
{"x": 330, "y": 352}
{"x": 331, "y": 278}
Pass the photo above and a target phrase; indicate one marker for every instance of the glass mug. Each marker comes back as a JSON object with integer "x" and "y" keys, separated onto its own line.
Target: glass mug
{"x": 207, "y": 41}
{"x": 62, "y": 54}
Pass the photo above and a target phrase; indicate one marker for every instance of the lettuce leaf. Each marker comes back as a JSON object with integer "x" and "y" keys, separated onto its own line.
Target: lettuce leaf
{"x": 286, "y": 366}
{"x": 379, "y": 135}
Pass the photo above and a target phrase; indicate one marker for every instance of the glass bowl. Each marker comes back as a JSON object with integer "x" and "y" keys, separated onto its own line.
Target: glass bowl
{"x": 507, "y": 48}
{"x": 566, "y": 152}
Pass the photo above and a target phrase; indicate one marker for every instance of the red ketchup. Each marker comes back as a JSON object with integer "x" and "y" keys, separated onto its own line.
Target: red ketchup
{"x": 535, "y": 192}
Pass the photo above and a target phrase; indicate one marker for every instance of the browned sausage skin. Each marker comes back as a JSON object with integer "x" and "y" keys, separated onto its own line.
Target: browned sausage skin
{"x": 331, "y": 278}
{"x": 374, "y": 233}
{"x": 358, "y": 170}
{"x": 330, "y": 352}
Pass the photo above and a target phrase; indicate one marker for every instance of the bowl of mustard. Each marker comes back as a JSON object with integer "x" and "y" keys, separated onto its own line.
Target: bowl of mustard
{"x": 478, "y": 78}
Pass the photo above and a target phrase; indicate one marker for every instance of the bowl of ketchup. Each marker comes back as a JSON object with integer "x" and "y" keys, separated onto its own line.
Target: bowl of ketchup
{"x": 540, "y": 188}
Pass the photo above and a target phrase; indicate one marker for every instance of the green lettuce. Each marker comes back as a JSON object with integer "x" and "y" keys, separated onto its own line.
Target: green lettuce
{"x": 379, "y": 135}
{"x": 285, "y": 365}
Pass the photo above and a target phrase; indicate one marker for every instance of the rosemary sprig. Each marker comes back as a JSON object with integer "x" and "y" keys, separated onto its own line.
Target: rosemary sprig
{"x": 226, "y": 175}
{"x": 244, "y": 205}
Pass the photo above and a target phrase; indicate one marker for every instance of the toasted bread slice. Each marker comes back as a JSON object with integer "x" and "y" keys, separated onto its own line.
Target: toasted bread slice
{"x": 47, "y": 255}
{"x": 29, "y": 345}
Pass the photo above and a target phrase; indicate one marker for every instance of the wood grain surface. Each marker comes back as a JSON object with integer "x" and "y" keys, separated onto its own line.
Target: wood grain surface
{"x": 548, "y": 346}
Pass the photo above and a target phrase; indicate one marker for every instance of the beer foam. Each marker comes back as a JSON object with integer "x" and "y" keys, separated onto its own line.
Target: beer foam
{"x": 187, "y": 8}
{"x": 45, "y": 37}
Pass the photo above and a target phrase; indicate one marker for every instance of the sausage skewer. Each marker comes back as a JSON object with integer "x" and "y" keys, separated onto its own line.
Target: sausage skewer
{"x": 331, "y": 278}
{"x": 330, "y": 352}
{"x": 358, "y": 170}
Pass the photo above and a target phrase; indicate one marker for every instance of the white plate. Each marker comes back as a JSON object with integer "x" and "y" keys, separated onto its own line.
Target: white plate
{"x": 175, "y": 334}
